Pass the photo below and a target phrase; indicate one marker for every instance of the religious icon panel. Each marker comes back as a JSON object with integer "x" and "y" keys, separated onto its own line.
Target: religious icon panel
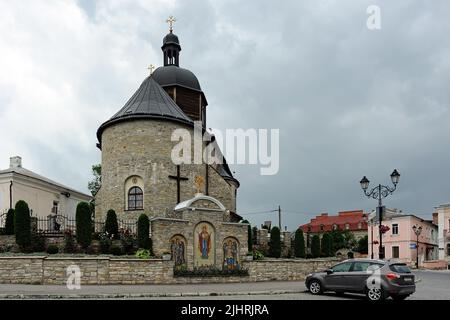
{"x": 230, "y": 254}
{"x": 204, "y": 246}
{"x": 178, "y": 250}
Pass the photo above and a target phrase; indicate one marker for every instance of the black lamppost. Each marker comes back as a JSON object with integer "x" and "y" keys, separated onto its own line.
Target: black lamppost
{"x": 417, "y": 231}
{"x": 378, "y": 193}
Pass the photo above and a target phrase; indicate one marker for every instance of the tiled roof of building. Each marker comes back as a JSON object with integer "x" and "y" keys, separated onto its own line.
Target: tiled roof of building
{"x": 355, "y": 220}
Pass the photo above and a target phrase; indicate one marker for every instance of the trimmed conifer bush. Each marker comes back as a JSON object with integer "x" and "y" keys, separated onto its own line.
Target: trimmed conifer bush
{"x": 22, "y": 224}
{"x": 249, "y": 236}
{"x": 111, "y": 225}
{"x": 299, "y": 244}
{"x": 326, "y": 245}
{"x": 9, "y": 223}
{"x": 143, "y": 231}
{"x": 275, "y": 243}
{"x": 315, "y": 246}
{"x": 84, "y": 225}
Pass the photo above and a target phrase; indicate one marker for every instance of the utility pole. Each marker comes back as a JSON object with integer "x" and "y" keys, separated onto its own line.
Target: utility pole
{"x": 279, "y": 217}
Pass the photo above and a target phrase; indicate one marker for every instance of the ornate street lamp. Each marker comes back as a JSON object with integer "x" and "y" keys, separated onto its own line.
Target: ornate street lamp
{"x": 417, "y": 230}
{"x": 379, "y": 192}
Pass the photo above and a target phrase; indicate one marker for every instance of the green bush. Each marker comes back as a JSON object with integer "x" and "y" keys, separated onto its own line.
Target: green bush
{"x": 69, "y": 242}
{"x": 275, "y": 243}
{"x": 116, "y": 250}
{"x": 143, "y": 254}
{"x": 257, "y": 255}
{"x": 326, "y": 246}
{"x": 105, "y": 242}
{"x": 22, "y": 225}
{"x": 52, "y": 249}
{"x": 363, "y": 245}
{"x": 128, "y": 241}
{"x": 249, "y": 236}
{"x": 299, "y": 244}
{"x": 9, "y": 223}
{"x": 143, "y": 231}
{"x": 111, "y": 225}
{"x": 315, "y": 246}
{"x": 84, "y": 225}
{"x": 209, "y": 272}
{"x": 37, "y": 242}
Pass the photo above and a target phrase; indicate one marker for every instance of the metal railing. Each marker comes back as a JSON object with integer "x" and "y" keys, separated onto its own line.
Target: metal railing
{"x": 58, "y": 224}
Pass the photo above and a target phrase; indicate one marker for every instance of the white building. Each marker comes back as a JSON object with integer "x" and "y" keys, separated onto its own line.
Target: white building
{"x": 43, "y": 196}
{"x": 443, "y": 212}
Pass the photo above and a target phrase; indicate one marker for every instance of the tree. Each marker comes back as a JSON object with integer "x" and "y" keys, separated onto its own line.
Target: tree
{"x": 84, "y": 225}
{"x": 95, "y": 184}
{"x": 111, "y": 225}
{"x": 338, "y": 240}
{"x": 22, "y": 224}
{"x": 143, "y": 231}
{"x": 327, "y": 245}
{"x": 363, "y": 245}
{"x": 249, "y": 236}
{"x": 315, "y": 246}
{"x": 9, "y": 223}
{"x": 275, "y": 243}
{"x": 299, "y": 244}
{"x": 255, "y": 235}
{"x": 349, "y": 239}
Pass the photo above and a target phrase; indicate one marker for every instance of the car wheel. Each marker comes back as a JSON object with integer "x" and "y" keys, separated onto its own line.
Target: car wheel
{"x": 400, "y": 297}
{"x": 375, "y": 294}
{"x": 315, "y": 287}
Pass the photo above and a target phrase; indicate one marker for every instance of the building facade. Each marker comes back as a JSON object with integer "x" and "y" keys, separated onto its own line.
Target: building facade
{"x": 443, "y": 217}
{"x": 400, "y": 240}
{"x": 43, "y": 196}
{"x": 191, "y": 203}
{"x": 353, "y": 221}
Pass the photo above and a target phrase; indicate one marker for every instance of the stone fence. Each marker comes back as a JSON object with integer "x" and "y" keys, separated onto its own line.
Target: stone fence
{"x": 108, "y": 270}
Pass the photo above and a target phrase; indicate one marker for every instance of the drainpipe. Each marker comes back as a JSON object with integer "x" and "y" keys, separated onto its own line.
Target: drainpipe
{"x": 10, "y": 194}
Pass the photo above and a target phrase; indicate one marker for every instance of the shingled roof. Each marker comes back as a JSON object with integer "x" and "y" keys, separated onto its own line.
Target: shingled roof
{"x": 150, "y": 101}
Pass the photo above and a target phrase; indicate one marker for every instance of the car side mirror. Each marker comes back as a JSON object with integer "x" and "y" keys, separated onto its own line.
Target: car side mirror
{"x": 329, "y": 271}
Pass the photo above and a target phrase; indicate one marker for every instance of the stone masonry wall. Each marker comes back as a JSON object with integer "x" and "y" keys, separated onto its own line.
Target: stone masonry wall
{"x": 104, "y": 270}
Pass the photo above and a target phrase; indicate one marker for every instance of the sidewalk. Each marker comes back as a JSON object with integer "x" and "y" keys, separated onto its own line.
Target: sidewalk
{"x": 17, "y": 291}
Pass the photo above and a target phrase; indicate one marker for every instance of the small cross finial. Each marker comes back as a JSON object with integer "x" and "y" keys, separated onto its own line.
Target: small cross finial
{"x": 199, "y": 182}
{"x": 170, "y": 21}
{"x": 151, "y": 68}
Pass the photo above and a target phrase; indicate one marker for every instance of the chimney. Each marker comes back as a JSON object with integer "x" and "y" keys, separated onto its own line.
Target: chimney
{"x": 15, "y": 162}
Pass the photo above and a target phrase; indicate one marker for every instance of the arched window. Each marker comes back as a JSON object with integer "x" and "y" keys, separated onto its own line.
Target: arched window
{"x": 135, "y": 199}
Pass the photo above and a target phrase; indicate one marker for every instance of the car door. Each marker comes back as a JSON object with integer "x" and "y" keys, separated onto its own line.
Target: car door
{"x": 359, "y": 273}
{"x": 337, "y": 279}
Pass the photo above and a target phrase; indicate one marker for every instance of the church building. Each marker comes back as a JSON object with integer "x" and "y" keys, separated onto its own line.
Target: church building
{"x": 192, "y": 207}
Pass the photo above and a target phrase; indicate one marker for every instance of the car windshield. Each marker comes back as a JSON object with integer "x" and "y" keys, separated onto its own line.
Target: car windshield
{"x": 400, "y": 268}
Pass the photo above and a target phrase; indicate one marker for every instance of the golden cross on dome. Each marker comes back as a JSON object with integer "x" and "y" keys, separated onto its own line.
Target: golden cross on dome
{"x": 170, "y": 21}
{"x": 151, "y": 68}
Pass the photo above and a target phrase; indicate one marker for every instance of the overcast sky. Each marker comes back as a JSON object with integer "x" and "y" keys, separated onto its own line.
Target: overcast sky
{"x": 348, "y": 101}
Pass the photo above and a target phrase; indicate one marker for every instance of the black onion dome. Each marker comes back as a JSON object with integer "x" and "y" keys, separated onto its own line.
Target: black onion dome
{"x": 172, "y": 75}
{"x": 150, "y": 101}
{"x": 171, "y": 38}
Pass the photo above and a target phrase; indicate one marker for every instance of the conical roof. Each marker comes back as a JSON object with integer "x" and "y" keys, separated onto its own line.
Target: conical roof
{"x": 150, "y": 101}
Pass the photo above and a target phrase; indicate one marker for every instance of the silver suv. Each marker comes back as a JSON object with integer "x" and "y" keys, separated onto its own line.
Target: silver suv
{"x": 377, "y": 279}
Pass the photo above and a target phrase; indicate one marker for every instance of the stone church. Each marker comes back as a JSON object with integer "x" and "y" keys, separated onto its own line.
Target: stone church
{"x": 192, "y": 207}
